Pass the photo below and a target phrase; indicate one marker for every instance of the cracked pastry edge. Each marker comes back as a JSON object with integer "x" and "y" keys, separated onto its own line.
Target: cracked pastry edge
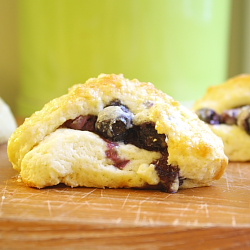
{"x": 169, "y": 116}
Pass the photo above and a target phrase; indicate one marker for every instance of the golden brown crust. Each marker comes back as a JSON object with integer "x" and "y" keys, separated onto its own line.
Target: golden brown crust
{"x": 233, "y": 93}
{"x": 191, "y": 144}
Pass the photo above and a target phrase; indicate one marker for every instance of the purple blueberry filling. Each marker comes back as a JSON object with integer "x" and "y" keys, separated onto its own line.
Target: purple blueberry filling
{"x": 238, "y": 116}
{"x": 167, "y": 174}
{"x": 85, "y": 123}
{"x": 112, "y": 154}
{"x": 115, "y": 124}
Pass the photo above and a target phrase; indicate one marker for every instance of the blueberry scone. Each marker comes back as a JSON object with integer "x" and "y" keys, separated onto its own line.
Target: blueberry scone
{"x": 117, "y": 133}
{"x": 226, "y": 108}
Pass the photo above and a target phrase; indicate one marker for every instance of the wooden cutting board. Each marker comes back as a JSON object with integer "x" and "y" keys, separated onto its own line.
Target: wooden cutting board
{"x": 216, "y": 217}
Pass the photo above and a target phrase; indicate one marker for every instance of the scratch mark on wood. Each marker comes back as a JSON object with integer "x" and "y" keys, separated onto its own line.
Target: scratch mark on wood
{"x": 118, "y": 220}
{"x": 27, "y": 198}
{"x": 239, "y": 171}
{"x": 79, "y": 205}
{"x": 87, "y": 203}
{"x": 62, "y": 205}
{"x": 196, "y": 222}
{"x": 89, "y": 193}
{"x": 175, "y": 222}
{"x": 167, "y": 196}
{"x": 125, "y": 201}
{"x": 49, "y": 208}
{"x": 227, "y": 182}
{"x": 233, "y": 221}
{"x": 131, "y": 207}
{"x": 151, "y": 222}
{"x": 3, "y": 197}
{"x": 138, "y": 214}
{"x": 205, "y": 207}
{"x": 76, "y": 208}
{"x": 185, "y": 209}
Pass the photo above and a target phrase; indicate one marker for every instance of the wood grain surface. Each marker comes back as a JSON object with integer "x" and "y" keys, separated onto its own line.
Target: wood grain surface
{"x": 216, "y": 217}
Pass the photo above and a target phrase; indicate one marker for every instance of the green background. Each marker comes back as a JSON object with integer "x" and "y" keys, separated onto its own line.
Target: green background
{"x": 179, "y": 45}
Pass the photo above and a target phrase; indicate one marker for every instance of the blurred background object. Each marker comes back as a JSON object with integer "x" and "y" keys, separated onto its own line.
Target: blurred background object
{"x": 182, "y": 46}
{"x": 9, "y": 53}
{"x": 8, "y": 122}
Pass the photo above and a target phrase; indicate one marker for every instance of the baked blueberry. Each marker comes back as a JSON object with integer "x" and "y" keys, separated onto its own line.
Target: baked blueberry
{"x": 168, "y": 174}
{"x": 208, "y": 115}
{"x": 229, "y": 117}
{"x": 86, "y": 123}
{"x": 243, "y": 120}
{"x": 113, "y": 122}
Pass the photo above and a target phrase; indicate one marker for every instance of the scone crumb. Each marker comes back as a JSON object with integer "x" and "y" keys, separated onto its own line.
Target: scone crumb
{"x": 148, "y": 174}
